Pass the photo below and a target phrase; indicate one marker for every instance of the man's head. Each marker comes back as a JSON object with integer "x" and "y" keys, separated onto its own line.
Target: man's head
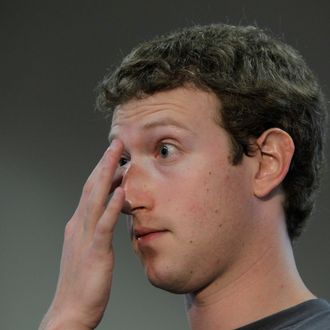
{"x": 261, "y": 83}
{"x": 190, "y": 208}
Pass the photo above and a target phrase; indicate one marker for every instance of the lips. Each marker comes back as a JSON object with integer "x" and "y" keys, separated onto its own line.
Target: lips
{"x": 144, "y": 233}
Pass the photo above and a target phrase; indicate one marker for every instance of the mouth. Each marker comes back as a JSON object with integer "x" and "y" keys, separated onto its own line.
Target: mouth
{"x": 147, "y": 234}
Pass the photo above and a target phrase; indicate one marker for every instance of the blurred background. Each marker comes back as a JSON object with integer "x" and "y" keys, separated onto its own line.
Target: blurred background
{"x": 53, "y": 53}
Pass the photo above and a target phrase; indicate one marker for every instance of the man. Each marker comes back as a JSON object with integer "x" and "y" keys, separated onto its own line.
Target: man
{"x": 217, "y": 143}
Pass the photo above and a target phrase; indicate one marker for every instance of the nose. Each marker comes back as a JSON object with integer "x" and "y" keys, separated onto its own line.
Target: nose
{"x": 137, "y": 186}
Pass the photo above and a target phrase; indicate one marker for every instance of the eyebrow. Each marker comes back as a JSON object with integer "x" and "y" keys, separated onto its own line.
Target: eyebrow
{"x": 158, "y": 123}
{"x": 164, "y": 122}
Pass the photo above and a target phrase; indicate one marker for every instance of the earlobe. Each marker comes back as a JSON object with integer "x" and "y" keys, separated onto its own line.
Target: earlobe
{"x": 275, "y": 152}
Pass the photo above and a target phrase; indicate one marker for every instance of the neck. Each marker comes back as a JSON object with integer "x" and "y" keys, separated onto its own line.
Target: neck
{"x": 260, "y": 286}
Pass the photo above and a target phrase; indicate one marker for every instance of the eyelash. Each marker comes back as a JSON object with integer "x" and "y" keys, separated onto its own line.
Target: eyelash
{"x": 122, "y": 161}
{"x": 169, "y": 146}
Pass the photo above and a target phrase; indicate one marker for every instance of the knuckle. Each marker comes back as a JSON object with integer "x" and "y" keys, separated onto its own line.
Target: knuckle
{"x": 68, "y": 230}
{"x": 105, "y": 172}
{"x": 88, "y": 187}
{"x": 111, "y": 208}
{"x": 103, "y": 229}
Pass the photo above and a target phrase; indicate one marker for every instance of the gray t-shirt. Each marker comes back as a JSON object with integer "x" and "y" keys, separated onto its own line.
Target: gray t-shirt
{"x": 312, "y": 314}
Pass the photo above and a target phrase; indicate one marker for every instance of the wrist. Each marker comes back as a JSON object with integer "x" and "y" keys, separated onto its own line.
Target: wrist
{"x": 62, "y": 325}
{"x": 52, "y": 321}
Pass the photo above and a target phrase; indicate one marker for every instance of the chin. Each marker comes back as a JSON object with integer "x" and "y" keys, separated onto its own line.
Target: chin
{"x": 169, "y": 280}
{"x": 168, "y": 286}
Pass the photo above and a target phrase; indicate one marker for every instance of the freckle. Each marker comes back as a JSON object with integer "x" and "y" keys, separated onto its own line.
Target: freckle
{"x": 220, "y": 225}
{"x": 210, "y": 172}
{"x": 216, "y": 211}
{"x": 190, "y": 242}
{"x": 191, "y": 272}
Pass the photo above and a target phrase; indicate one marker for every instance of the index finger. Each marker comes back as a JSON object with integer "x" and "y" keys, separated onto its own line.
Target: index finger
{"x": 105, "y": 176}
{"x": 100, "y": 181}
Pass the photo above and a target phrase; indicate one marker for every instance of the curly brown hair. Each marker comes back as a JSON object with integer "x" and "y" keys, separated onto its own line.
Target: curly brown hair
{"x": 261, "y": 82}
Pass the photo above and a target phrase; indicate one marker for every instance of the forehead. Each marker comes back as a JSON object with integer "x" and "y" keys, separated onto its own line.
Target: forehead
{"x": 185, "y": 107}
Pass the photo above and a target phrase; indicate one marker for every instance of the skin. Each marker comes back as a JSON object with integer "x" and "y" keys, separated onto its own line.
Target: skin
{"x": 216, "y": 232}
{"x": 87, "y": 261}
{"x": 206, "y": 214}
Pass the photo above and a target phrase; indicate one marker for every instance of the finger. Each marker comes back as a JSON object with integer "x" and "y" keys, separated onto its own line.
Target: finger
{"x": 105, "y": 226}
{"x": 117, "y": 179}
{"x": 90, "y": 182}
{"x": 103, "y": 181}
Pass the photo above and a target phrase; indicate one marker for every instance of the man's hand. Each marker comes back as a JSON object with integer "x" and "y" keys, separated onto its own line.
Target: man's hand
{"x": 87, "y": 261}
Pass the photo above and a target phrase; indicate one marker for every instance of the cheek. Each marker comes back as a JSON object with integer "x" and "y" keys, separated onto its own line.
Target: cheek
{"x": 216, "y": 198}
{"x": 193, "y": 198}
{"x": 202, "y": 193}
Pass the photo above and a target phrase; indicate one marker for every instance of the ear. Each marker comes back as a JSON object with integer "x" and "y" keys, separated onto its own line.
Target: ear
{"x": 274, "y": 156}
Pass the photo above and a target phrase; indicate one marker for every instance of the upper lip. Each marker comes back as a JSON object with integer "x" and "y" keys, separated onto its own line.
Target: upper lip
{"x": 143, "y": 231}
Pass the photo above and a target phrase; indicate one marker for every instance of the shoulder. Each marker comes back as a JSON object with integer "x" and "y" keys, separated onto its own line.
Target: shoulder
{"x": 312, "y": 314}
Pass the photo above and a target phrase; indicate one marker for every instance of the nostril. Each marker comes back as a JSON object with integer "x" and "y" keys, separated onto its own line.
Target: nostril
{"x": 127, "y": 208}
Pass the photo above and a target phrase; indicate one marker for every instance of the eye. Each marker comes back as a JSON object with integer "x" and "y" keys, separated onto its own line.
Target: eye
{"x": 166, "y": 150}
{"x": 123, "y": 161}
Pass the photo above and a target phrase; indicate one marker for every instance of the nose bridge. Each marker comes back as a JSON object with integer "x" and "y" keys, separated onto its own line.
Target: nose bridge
{"x": 136, "y": 184}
